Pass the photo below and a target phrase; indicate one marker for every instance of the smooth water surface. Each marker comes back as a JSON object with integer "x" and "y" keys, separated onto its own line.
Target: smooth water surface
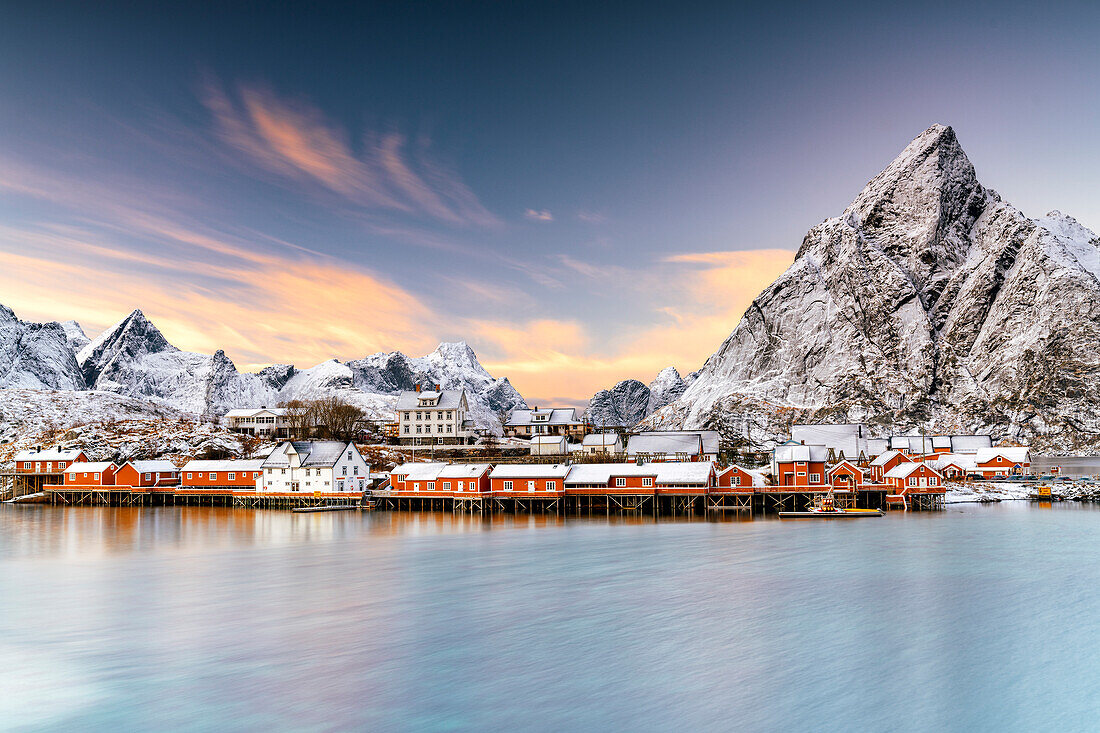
{"x": 975, "y": 618}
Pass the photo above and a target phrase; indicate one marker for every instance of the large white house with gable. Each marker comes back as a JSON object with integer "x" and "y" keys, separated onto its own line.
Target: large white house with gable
{"x": 314, "y": 466}
{"x": 434, "y": 417}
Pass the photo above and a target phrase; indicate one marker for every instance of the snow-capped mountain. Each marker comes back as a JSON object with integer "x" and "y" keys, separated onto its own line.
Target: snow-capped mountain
{"x": 134, "y": 359}
{"x": 929, "y": 302}
{"x": 36, "y": 355}
{"x": 629, "y": 402}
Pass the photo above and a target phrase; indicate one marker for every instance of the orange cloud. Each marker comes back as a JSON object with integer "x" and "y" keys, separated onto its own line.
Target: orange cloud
{"x": 699, "y": 298}
{"x": 298, "y": 309}
{"x": 294, "y": 140}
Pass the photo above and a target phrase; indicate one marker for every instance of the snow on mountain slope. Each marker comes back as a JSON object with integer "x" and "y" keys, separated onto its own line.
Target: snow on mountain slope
{"x": 36, "y": 355}
{"x": 929, "y": 302}
{"x": 134, "y": 358}
{"x": 75, "y": 334}
{"x": 107, "y": 426}
{"x": 629, "y": 402}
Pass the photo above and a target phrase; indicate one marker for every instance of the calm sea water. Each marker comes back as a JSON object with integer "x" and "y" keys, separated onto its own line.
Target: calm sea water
{"x": 976, "y": 618}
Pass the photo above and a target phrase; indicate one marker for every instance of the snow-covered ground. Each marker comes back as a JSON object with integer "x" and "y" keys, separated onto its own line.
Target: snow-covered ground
{"x": 988, "y": 491}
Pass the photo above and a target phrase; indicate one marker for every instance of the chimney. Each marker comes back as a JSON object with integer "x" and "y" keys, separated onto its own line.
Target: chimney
{"x": 417, "y": 388}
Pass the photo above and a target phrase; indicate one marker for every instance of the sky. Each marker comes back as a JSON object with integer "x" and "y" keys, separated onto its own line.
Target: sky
{"x": 583, "y": 192}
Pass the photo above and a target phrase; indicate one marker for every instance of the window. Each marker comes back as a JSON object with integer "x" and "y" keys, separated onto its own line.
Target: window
{"x": 815, "y": 478}
{"x": 932, "y": 481}
{"x": 620, "y": 482}
{"x": 349, "y": 455}
{"x": 448, "y": 428}
{"x": 283, "y": 470}
{"x": 439, "y": 428}
{"x": 646, "y": 482}
{"x": 431, "y": 486}
{"x": 96, "y": 476}
{"x": 345, "y": 472}
{"x": 418, "y": 416}
{"x": 418, "y": 430}
{"x": 231, "y": 476}
{"x": 449, "y": 415}
{"x": 406, "y": 416}
{"x": 549, "y": 485}
{"x": 736, "y": 481}
{"x": 27, "y": 466}
{"x": 148, "y": 477}
{"x": 213, "y": 477}
{"x": 912, "y": 481}
{"x": 446, "y": 485}
{"x": 406, "y": 429}
{"x": 188, "y": 477}
{"x": 507, "y": 485}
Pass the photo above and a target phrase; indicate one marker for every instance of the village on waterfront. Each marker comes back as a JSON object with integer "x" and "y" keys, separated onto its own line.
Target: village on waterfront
{"x": 431, "y": 456}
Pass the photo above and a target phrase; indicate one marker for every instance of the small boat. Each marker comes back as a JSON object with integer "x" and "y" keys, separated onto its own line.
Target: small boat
{"x": 827, "y": 509}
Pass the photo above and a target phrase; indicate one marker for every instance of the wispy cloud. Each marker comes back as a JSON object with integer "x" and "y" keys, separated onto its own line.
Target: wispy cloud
{"x": 591, "y": 217}
{"x": 538, "y": 215}
{"x": 295, "y": 141}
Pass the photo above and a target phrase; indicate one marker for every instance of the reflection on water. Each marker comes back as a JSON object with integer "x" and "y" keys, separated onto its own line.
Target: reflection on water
{"x": 979, "y": 617}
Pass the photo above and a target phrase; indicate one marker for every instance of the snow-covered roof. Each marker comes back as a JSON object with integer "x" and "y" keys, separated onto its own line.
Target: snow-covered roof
{"x": 448, "y": 399}
{"x": 877, "y": 446}
{"x": 668, "y": 443}
{"x": 550, "y": 415}
{"x": 709, "y": 438}
{"x": 970, "y": 443}
{"x": 757, "y": 476}
{"x": 1015, "y": 455}
{"x": 53, "y": 454}
{"x": 600, "y": 439}
{"x": 601, "y": 473}
{"x": 310, "y": 453}
{"x": 904, "y": 469}
{"x": 159, "y": 466}
{"x": 465, "y": 470}
{"x": 887, "y": 457}
{"x": 548, "y": 439}
{"x": 254, "y": 411}
{"x": 685, "y": 472}
{"x": 850, "y": 439}
{"x": 800, "y": 453}
{"x": 529, "y": 470}
{"x": 419, "y": 471}
{"x": 226, "y": 465}
{"x": 90, "y": 467}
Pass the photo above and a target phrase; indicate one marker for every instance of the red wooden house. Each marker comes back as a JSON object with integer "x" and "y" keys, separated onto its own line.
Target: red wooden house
{"x": 738, "y": 480}
{"x": 158, "y": 475}
{"x": 914, "y": 478}
{"x": 83, "y": 473}
{"x": 884, "y": 463}
{"x": 201, "y": 476}
{"x": 511, "y": 479}
{"x": 799, "y": 466}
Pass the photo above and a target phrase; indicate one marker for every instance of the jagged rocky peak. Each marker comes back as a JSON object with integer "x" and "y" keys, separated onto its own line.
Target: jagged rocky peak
{"x": 624, "y": 405}
{"x": 131, "y": 337}
{"x": 929, "y": 301}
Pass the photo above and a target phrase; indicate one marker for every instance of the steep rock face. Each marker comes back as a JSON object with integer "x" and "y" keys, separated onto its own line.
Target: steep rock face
{"x": 629, "y": 402}
{"x": 75, "y": 334}
{"x": 665, "y": 389}
{"x": 133, "y": 358}
{"x": 624, "y": 405}
{"x": 36, "y": 355}
{"x": 929, "y": 301}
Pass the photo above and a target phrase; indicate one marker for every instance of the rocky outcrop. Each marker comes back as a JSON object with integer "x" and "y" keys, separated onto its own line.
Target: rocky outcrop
{"x": 36, "y": 355}
{"x": 930, "y": 302}
{"x": 629, "y": 402}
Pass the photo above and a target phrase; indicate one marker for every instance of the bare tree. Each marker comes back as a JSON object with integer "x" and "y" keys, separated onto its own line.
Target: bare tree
{"x": 300, "y": 418}
{"x": 336, "y": 419}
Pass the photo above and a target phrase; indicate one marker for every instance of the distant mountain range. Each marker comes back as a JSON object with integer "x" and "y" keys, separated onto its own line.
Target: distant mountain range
{"x": 134, "y": 359}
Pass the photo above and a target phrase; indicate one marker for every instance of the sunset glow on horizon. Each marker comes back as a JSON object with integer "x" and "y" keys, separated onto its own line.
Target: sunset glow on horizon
{"x": 580, "y": 212}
